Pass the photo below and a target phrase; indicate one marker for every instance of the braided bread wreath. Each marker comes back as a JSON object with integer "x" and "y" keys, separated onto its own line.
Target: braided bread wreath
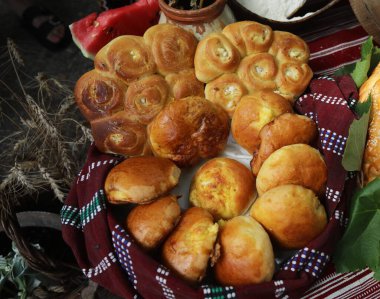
{"x": 147, "y": 95}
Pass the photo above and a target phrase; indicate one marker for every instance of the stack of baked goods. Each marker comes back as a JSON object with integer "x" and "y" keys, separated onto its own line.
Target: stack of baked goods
{"x": 145, "y": 97}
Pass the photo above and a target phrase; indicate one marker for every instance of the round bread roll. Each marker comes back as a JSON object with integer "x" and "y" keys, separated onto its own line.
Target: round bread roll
{"x": 285, "y": 129}
{"x": 189, "y": 248}
{"x": 224, "y": 187}
{"x": 215, "y": 55}
{"x": 227, "y": 90}
{"x": 252, "y": 113}
{"x": 291, "y": 214}
{"x": 173, "y": 47}
{"x": 140, "y": 180}
{"x": 184, "y": 84}
{"x": 149, "y": 224}
{"x": 246, "y": 253}
{"x": 97, "y": 95}
{"x": 189, "y": 129}
{"x": 146, "y": 97}
{"x": 120, "y": 133}
{"x": 126, "y": 57}
{"x": 298, "y": 164}
{"x": 249, "y": 37}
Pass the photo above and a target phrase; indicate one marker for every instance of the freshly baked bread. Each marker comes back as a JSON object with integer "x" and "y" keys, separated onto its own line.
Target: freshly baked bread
{"x": 184, "y": 84}
{"x": 249, "y": 37}
{"x": 252, "y": 113}
{"x": 189, "y": 248}
{"x": 224, "y": 187}
{"x": 298, "y": 164}
{"x": 285, "y": 129}
{"x": 215, "y": 55}
{"x": 119, "y": 133}
{"x": 246, "y": 253}
{"x": 149, "y": 224}
{"x": 146, "y": 97}
{"x": 226, "y": 91}
{"x": 291, "y": 214}
{"x": 189, "y": 129}
{"x": 371, "y": 160}
{"x": 126, "y": 57}
{"x": 97, "y": 95}
{"x": 140, "y": 180}
{"x": 173, "y": 48}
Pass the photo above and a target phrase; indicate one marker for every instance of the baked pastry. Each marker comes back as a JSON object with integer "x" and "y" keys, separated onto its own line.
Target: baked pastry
{"x": 173, "y": 48}
{"x": 188, "y": 249}
{"x": 298, "y": 164}
{"x": 184, "y": 84}
{"x": 249, "y": 37}
{"x": 140, "y": 180}
{"x": 189, "y": 129}
{"x": 151, "y": 223}
{"x": 119, "y": 133}
{"x": 246, "y": 253}
{"x": 97, "y": 95}
{"x": 224, "y": 187}
{"x": 371, "y": 159}
{"x": 226, "y": 91}
{"x": 252, "y": 113}
{"x": 126, "y": 57}
{"x": 291, "y": 214}
{"x": 285, "y": 129}
{"x": 215, "y": 55}
{"x": 146, "y": 97}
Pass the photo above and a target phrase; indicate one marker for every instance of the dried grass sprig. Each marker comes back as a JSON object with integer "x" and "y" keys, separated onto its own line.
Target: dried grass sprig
{"x": 54, "y": 184}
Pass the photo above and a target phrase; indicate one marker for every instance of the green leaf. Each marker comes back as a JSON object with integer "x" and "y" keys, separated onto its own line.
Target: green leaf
{"x": 360, "y": 72}
{"x": 360, "y": 245}
{"x": 353, "y": 153}
{"x": 345, "y": 70}
{"x": 375, "y": 59}
{"x": 363, "y": 107}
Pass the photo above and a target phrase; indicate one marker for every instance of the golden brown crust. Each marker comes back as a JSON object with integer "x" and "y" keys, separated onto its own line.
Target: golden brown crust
{"x": 215, "y": 55}
{"x": 127, "y": 57}
{"x": 249, "y": 37}
{"x": 140, "y": 180}
{"x": 291, "y": 214}
{"x": 226, "y": 91}
{"x": 149, "y": 224}
{"x": 224, "y": 187}
{"x": 120, "y": 134}
{"x": 173, "y": 47}
{"x": 189, "y": 129}
{"x": 246, "y": 253}
{"x": 189, "y": 248}
{"x": 298, "y": 164}
{"x": 97, "y": 95}
{"x": 252, "y": 113}
{"x": 146, "y": 97}
{"x": 184, "y": 84}
{"x": 285, "y": 129}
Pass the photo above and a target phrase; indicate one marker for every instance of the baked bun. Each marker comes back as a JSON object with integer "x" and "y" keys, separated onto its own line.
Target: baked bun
{"x": 215, "y": 55}
{"x": 285, "y": 129}
{"x": 246, "y": 253}
{"x": 126, "y": 57}
{"x": 189, "y": 129}
{"x": 291, "y": 214}
{"x": 298, "y": 164}
{"x": 97, "y": 95}
{"x": 189, "y": 248}
{"x": 226, "y": 91}
{"x": 120, "y": 133}
{"x": 224, "y": 187}
{"x": 249, "y": 37}
{"x": 184, "y": 84}
{"x": 149, "y": 224}
{"x": 173, "y": 47}
{"x": 140, "y": 180}
{"x": 252, "y": 113}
